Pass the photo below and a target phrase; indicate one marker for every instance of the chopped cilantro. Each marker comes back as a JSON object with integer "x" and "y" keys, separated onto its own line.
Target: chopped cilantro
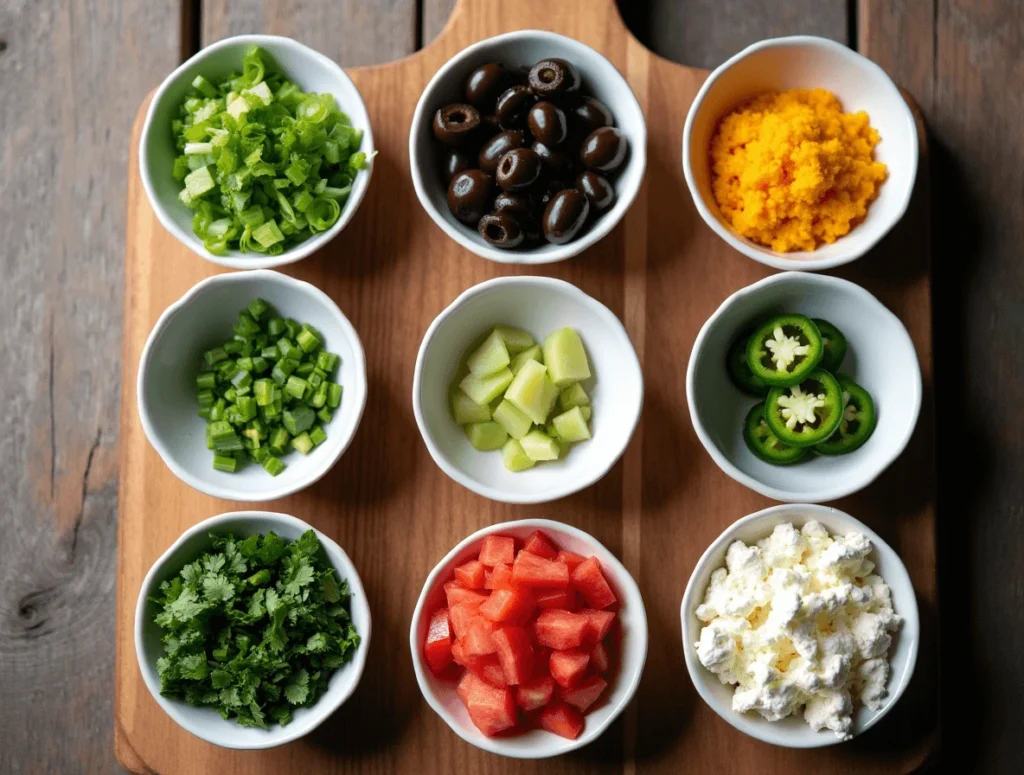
{"x": 254, "y": 628}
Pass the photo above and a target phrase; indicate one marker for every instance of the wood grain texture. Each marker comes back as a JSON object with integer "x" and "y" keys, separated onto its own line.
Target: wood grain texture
{"x": 657, "y": 509}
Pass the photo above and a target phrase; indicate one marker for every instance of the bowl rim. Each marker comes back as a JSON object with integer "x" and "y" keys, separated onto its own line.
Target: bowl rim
{"x": 798, "y": 261}
{"x": 623, "y": 578}
{"x": 822, "y": 494}
{"x": 699, "y": 675}
{"x": 598, "y": 230}
{"x": 319, "y": 712}
{"x": 571, "y": 485}
{"x": 234, "y": 259}
{"x": 180, "y": 306}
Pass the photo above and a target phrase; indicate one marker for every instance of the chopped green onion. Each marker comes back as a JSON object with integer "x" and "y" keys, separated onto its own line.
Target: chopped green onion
{"x": 317, "y": 436}
{"x": 333, "y": 395}
{"x": 303, "y": 443}
{"x": 223, "y": 463}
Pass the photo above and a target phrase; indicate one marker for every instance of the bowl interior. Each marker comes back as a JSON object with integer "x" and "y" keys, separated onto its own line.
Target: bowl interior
{"x": 175, "y": 355}
{"x": 632, "y": 618}
{"x": 859, "y": 84}
{"x": 523, "y": 49}
{"x": 311, "y": 71}
{"x": 793, "y": 731}
{"x": 206, "y": 722}
{"x": 880, "y": 357}
{"x": 540, "y": 307}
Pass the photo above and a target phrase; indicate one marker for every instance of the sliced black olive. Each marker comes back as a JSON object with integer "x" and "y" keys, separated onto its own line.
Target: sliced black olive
{"x": 456, "y": 122}
{"x": 554, "y": 78}
{"x": 565, "y": 215}
{"x": 587, "y": 114}
{"x": 498, "y": 146}
{"x": 470, "y": 195}
{"x": 518, "y": 169}
{"x": 596, "y": 188}
{"x": 556, "y": 162}
{"x": 485, "y": 84}
{"x": 547, "y": 187}
{"x": 502, "y": 230}
{"x": 548, "y": 123}
{"x": 454, "y": 161}
{"x": 512, "y": 107}
{"x": 604, "y": 149}
{"x": 518, "y": 203}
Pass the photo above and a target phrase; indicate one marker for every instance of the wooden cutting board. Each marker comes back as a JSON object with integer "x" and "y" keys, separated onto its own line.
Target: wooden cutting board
{"x": 396, "y": 514}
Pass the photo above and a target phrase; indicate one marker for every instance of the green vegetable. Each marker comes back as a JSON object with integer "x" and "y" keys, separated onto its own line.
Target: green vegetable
{"x": 263, "y": 164}
{"x": 257, "y": 411}
{"x": 254, "y": 628}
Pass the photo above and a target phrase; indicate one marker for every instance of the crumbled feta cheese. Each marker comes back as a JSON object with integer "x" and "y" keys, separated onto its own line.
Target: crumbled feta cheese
{"x": 798, "y": 406}
{"x": 799, "y": 621}
{"x": 785, "y": 349}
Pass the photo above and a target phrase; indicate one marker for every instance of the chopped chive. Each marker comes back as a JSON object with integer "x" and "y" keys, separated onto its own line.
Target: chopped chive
{"x": 333, "y": 395}
{"x": 317, "y": 436}
{"x": 326, "y": 361}
{"x": 308, "y": 339}
{"x": 222, "y": 463}
{"x": 325, "y": 415}
{"x": 303, "y": 443}
{"x": 206, "y": 380}
{"x": 272, "y": 465}
{"x": 257, "y": 307}
{"x": 214, "y": 356}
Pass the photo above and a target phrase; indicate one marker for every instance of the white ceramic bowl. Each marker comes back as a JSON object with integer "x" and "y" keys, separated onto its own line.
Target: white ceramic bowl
{"x": 524, "y": 48}
{"x": 881, "y": 358}
{"x": 203, "y": 318}
{"x": 794, "y": 732}
{"x": 539, "y": 305}
{"x": 535, "y": 744}
{"x": 310, "y": 70}
{"x": 806, "y": 62}
{"x": 206, "y": 723}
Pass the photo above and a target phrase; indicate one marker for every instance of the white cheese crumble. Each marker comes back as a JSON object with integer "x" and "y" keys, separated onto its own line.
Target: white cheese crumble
{"x": 799, "y": 621}
{"x": 799, "y": 407}
{"x": 785, "y": 349}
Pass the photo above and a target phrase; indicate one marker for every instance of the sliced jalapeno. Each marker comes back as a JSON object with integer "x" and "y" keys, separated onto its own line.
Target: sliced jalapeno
{"x": 805, "y": 414}
{"x": 835, "y": 345}
{"x": 857, "y": 423}
{"x": 764, "y": 444}
{"x": 785, "y": 350}
{"x": 739, "y": 369}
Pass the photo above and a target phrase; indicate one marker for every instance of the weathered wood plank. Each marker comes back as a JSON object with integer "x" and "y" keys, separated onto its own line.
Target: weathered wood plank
{"x": 71, "y": 76}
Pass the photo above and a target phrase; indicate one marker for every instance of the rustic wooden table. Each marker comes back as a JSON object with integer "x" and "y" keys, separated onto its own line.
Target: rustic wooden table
{"x": 72, "y": 73}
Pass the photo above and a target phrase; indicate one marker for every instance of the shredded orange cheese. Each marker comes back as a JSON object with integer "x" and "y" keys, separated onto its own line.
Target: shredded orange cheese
{"x": 791, "y": 171}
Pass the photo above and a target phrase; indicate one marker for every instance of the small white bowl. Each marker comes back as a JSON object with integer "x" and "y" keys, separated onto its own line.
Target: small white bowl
{"x": 535, "y": 744}
{"x": 310, "y": 70}
{"x": 806, "y": 62}
{"x": 524, "y": 48}
{"x": 206, "y": 723}
{"x": 202, "y": 319}
{"x": 881, "y": 358}
{"x": 793, "y": 731}
{"x": 539, "y": 305}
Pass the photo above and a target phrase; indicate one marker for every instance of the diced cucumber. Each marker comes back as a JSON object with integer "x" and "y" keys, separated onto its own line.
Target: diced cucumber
{"x": 512, "y": 420}
{"x": 585, "y": 411}
{"x": 532, "y": 392}
{"x": 530, "y": 354}
{"x": 539, "y": 446}
{"x": 483, "y": 390}
{"x": 514, "y": 458}
{"x": 465, "y": 410}
{"x": 565, "y": 358}
{"x": 571, "y": 425}
{"x": 574, "y": 395}
{"x": 490, "y": 357}
{"x": 486, "y": 436}
{"x": 515, "y": 339}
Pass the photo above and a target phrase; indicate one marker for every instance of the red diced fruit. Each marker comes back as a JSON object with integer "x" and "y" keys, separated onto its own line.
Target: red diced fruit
{"x": 499, "y": 578}
{"x": 591, "y": 583}
{"x": 563, "y": 720}
{"x": 571, "y": 559}
{"x": 536, "y": 693}
{"x": 496, "y": 550}
{"x": 489, "y": 669}
{"x": 533, "y": 571}
{"x": 508, "y": 605}
{"x": 541, "y": 545}
{"x": 456, "y": 593}
{"x": 555, "y": 598}
{"x": 491, "y": 709}
{"x": 598, "y": 623}
{"x": 438, "y": 648}
{"x": 568, "y": 667}
{"x": 515, "y": 654}
{"x": 599, "y": 658}
{"x": 585, "y": 693}
{"x": 477, "y": 640}
{"x": 470, "y": 575}
{"x": 560, "y": 629}
{"x": 462, "y": 614}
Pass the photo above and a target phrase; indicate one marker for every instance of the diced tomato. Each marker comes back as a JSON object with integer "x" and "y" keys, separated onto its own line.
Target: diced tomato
{"x": 508, "y": 605}
{"x": 585, "y": 693}
{"x": 462, "y": 614}
{"x": 571, "y": 559}
{"x": 541, "y": 545}
{"x": 592, "y": 584}
{"x": 438, "y": 648}
{"x": 535, "y": 694}
{"x": 456, "y": 593}
{"x": 598, "y": 623}
{"x": 568, "y": 667}
{"x": 559, "y": 629}
{"x": 533, "y": 571}
{"x": 515, "y": 654}
{"x": 563, "y": 720}
{"x": 499, "y": 578}
{"x": 471, "y": 574}
{"x": 497, "y": 549}
{"x": 600, "y": 659}
{"x": 564, "y": 599}
{"x": 491, "y": 709}
{"x": 477, "y": 640}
